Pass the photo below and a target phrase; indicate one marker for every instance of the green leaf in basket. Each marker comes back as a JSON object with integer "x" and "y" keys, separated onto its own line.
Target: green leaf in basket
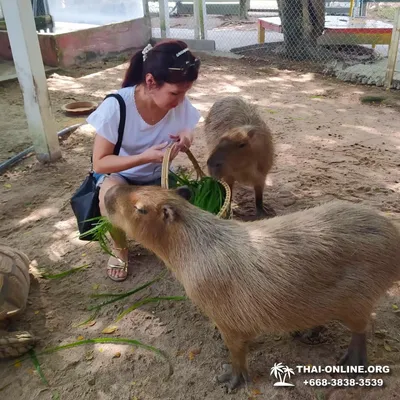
{"x": 207, "y": 193}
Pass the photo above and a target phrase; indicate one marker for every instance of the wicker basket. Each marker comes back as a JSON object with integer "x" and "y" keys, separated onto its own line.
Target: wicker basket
{"x": 225, "y": 212}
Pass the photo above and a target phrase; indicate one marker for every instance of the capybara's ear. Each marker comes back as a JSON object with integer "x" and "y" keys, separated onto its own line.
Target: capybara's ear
{"x": 184, "y": 192}
{"x": 169, "y": 213}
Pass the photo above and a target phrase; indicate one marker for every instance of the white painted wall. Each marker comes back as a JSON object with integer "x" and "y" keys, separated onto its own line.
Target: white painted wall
{"x": 97, "y": 12}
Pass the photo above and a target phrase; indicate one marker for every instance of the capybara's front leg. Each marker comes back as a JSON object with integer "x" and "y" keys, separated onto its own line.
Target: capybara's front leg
{"x": 356, "y": 353}
{"x": 237, "y": 373}
{"x": 262, "y": 210}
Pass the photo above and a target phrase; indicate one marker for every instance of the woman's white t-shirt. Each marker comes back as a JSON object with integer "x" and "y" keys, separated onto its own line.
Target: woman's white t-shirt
{"x": 138, "y": 135}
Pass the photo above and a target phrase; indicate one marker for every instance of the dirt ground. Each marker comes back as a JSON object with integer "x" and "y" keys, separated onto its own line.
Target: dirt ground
{"x": 328, "y": 145}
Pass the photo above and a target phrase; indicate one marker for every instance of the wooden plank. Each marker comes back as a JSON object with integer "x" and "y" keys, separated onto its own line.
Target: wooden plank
{"x": 393, "y": 50}
{"x": 339, "y": 24}
{"x": 330, "y": 38}
{"x": 29, "y": 66}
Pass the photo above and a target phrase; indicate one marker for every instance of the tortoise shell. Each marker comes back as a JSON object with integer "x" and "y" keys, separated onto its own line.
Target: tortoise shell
{"x": 14, "y": 282}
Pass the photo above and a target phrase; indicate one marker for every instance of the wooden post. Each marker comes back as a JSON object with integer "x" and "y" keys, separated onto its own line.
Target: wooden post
{"x": 261, "y": 32}
{"x": 146, "y": 15}
{"x": 393, "y": 50}
{"x": 28, "y": 62}
{"x": 203, "y": 20}
{"x": 146, "y": 11}
{"x": 351, "y": 8}
{"x": 196, "y": 15}
{"x": 200, "y": 16}
{"x": 164, "y": 18}
{"x": 363, "y": 8}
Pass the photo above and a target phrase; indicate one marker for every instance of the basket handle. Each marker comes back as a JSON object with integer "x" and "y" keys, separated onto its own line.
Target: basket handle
{"x": 225, "y": 209}
{"x": 165, "y": 165}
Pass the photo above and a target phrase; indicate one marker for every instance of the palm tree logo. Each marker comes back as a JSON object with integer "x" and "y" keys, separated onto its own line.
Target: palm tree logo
{"x": 283, "y": 372}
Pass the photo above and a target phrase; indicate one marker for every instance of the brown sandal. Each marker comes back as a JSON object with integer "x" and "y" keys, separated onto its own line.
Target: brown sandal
{"x": 117, "y": 263}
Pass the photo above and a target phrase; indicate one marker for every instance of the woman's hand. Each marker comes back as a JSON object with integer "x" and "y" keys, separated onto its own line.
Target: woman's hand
{"x": 183, "y": 140}
{"x": 154, "y": 154}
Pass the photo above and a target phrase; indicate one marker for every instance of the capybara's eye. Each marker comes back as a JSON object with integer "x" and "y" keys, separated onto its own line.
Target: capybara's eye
{"x": 141, "y": 210}
{"x": 242, "y": 144}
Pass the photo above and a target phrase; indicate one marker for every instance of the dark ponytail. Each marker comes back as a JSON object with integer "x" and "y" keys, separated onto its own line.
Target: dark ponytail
{"x": 166, "y": 62}
{"x": 134, "y": 74}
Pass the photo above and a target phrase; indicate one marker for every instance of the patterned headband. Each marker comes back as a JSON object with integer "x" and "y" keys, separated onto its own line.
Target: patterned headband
{"x": 146, "y": 50}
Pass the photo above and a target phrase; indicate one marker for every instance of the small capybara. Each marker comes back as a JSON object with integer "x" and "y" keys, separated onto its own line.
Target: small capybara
{"x": 240, "y": 147}
{"x": 291, "y": 272}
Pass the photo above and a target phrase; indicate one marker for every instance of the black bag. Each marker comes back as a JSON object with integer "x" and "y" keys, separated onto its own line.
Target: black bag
{"x": 85, "y": 201}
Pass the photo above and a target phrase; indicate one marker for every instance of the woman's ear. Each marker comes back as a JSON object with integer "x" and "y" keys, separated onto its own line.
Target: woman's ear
{"x": 150, "y": 81}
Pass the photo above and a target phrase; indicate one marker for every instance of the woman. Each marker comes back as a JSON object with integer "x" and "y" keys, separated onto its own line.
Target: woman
{"x": 157, "y": 113}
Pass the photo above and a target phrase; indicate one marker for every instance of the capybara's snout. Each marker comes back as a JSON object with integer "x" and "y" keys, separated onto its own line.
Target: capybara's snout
{"x": 214, "y": 165}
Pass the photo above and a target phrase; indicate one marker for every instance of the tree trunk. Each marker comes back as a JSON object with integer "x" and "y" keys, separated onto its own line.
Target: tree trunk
{"x": 243, "y": 6}
{"x": 315, "y": 20}
{"x": 292, "y": 27}
{"x": 302, "y": 23}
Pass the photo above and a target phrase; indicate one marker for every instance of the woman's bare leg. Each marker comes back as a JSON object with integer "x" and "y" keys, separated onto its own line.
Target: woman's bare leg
{"x": 117, "y": 266}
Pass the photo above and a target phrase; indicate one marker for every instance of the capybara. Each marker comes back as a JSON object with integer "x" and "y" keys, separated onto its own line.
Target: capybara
{"x": 291, "y": 272}
{"x": 240, "y": 147}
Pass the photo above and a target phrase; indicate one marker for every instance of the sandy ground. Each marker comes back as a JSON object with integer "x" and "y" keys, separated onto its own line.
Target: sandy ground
{"x": 328, "y": 145}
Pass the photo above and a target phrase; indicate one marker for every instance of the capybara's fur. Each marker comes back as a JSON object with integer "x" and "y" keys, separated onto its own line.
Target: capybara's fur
{"x": 240, "y": 146}
{"x": 291, "y": 272}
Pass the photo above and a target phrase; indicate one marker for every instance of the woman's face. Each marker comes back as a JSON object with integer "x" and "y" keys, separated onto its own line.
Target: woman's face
{"x": 168, "y": 95}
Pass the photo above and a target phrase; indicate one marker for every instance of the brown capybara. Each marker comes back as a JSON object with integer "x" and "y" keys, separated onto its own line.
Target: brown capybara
{"x": 240, "y": 147}
{"x": 291, "y": 272}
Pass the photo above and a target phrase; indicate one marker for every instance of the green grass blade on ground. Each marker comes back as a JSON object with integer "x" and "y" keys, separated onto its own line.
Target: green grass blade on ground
{"x": 133, "y": 291}
{"x": 101, "y": 340}
{"x": 123, "y": 295}
{"x": 104, "y": 340}
{"x": 64, "y": 273}
{"x": 149, "y": 300}
{"x": 90, "y": 319}
{"x": 35, "y": 362}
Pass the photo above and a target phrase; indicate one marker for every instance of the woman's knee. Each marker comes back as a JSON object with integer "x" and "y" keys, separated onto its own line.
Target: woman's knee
{"x": 108, "y": 183}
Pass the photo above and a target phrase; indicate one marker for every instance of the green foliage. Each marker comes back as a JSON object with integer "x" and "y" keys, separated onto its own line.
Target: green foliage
{"x": 207, "y": 193}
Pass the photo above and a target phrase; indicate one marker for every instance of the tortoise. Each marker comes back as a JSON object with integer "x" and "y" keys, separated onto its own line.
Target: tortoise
{"x": 14, "y": 290}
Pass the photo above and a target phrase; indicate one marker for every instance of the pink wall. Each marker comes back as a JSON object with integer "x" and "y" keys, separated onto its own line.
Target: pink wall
{"x": 76, "y": 47}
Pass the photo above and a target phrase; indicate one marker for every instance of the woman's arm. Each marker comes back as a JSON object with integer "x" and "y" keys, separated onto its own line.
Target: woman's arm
{"x": 185, "y": 138}
{"x": 105, "y": 162}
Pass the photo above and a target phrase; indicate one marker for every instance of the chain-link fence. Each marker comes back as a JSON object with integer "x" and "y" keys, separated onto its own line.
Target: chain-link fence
{"x": 41, "y": 12}
{"x": 172, "y": 19}
{"x": 348, "y": 39}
